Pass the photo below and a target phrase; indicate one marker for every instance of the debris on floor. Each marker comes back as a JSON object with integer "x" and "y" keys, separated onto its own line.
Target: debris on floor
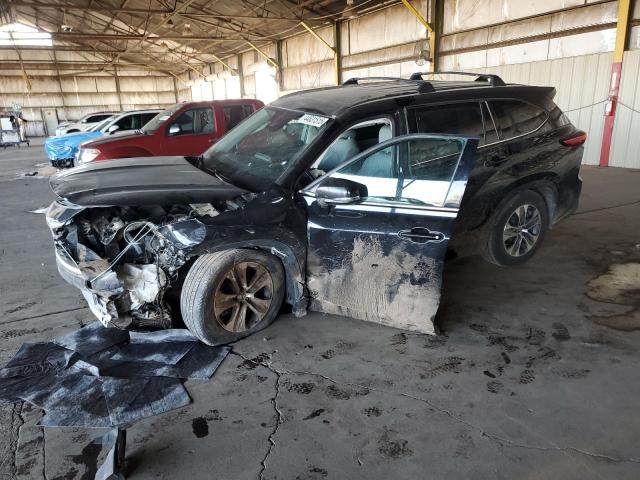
{"x": 620, "y": 285}
{"x": 99, "y": 377}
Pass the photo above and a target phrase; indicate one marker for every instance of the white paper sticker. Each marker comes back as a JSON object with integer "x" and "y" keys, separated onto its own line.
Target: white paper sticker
{"x": 313, "y": 120}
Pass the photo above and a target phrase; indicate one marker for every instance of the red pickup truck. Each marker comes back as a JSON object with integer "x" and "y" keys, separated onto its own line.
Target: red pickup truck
{"x": 185, "y": 129}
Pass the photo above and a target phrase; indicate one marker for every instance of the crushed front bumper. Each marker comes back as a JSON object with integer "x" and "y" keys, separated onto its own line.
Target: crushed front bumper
{"x": 119, "y": 289}
{"x": 101, "y": 306}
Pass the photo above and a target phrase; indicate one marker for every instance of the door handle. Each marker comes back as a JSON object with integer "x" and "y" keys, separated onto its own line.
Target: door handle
{"x": 212, "y": 140}
{"x": 421, "y": 235}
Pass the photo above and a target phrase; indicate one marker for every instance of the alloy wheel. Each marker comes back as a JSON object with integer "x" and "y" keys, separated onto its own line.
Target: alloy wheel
{"x": 243, "y": 297}
{"x": 522, "y": 230}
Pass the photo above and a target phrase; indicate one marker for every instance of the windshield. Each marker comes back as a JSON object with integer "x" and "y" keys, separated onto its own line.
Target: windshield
{"x": 256, "y": 152}
{"x": 153, "y": 124}
{"x": 99, "y": 126}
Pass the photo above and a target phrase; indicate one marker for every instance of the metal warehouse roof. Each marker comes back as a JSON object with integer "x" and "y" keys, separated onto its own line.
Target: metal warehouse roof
{"x": 172, "y": 37}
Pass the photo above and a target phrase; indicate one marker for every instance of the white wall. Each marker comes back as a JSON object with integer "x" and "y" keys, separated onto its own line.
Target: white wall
{"x": 75, "y": 96}
{"x": 625, "y": 150}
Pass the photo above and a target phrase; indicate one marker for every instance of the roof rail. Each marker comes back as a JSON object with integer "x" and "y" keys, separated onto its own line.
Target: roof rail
{"x": 494, "y": 80}
{"x": 423, "y": 86}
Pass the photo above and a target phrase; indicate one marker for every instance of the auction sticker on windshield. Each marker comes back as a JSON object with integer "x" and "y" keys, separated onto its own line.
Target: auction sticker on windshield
{"x": 313, "y": 120}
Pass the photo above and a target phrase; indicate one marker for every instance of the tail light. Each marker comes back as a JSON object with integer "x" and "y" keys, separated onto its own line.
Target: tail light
{"x": 575, "y": 140}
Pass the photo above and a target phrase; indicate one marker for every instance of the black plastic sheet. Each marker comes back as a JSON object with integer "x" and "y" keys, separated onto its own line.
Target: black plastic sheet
{"x": 99, "y": 377}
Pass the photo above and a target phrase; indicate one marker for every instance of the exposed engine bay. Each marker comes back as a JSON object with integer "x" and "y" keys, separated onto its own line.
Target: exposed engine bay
{"x": 124, "y": 259}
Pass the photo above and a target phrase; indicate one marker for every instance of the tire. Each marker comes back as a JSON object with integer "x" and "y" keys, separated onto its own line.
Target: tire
{"x": 506, "y": 228}
{"x": 214, "y": 282}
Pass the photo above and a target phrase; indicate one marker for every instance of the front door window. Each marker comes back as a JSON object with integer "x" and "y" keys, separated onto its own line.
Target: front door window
{"x": 413, "y": 172}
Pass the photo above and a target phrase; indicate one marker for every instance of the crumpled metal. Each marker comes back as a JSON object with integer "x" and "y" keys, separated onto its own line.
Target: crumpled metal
{"x": 99, "y": 377}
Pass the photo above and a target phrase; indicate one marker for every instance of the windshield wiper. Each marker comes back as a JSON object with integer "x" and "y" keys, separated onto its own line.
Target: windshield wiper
{"x": 199, "y": 163}
{"x": 221, "y": 177}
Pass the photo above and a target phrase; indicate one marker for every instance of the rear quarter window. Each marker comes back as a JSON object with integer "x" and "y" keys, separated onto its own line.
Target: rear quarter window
{"x": 515, "y": 118}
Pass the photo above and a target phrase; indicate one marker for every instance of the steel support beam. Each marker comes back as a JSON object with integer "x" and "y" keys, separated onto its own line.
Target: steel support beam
{"x": 221, "y": 16}
{"x": 431, "y": 34}
{"x": 622, "y": 34}
{"x": 279, "y": 59}
{"x": 337, "y": 57}
{"x": 437, "y": 20}
{"x": 55, "y": 59}
{"x": 175, "y": 89}
{"x": 335, "y": 48}
{"x": 90, "y": 8}
{"x": 241, "y": 75}
{"x": 224, "y": 64}
{"x": 117, "y": 79}
{"x": 317, "y": 37}
{"x": 71, "y": 36}
{"x": 261, "y": 52}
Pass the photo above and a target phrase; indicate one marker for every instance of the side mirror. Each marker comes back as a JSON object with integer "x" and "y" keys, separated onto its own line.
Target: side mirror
{"x": 340, "y": 191}
{"x": 113, "y": 128}
{"x": 174, "y": 129}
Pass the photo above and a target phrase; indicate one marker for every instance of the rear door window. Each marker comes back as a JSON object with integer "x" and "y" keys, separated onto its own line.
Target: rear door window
{"x": 146, "y": 117}
{"x": 464, "y": 119}
{"x": 515, "y": 118}
{"x": 128, "y": 122}
{"x": 195, "y": 121}
{"x": 234, "y": 114}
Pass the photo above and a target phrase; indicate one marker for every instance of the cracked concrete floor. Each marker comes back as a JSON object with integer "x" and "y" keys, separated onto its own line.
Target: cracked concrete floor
{"x": 521, "y": 383}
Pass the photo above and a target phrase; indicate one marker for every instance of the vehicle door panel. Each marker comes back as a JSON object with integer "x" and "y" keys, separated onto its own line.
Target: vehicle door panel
{"x": 381, "y": 259}
{"x": 197, "y": 129}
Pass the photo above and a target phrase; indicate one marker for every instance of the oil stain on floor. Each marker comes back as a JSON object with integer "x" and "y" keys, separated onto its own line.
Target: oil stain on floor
{"x": 620, "y": 285}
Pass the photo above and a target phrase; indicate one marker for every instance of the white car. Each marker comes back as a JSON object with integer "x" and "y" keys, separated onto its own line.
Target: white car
{"x": 83, "y": 124}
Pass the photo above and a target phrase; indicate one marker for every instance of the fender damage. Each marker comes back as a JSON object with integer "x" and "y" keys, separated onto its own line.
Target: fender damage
{"x": 122, "y": 234}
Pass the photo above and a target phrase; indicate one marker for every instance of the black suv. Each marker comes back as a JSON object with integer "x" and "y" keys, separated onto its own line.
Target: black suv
{"x": 338, "y": 199}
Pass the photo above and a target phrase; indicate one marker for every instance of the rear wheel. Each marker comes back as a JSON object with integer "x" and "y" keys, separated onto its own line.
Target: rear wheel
{"x": 232, "y": 294}
{"x": 517, "y": 229}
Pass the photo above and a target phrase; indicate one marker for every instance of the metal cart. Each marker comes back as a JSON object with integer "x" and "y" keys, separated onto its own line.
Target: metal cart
{"x": 12, "y": 129}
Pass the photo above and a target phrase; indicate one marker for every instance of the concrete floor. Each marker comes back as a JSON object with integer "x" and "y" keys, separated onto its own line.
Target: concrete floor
{"x": 522, "y": 383}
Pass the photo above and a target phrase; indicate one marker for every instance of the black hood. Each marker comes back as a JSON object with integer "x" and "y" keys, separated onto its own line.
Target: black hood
{"x": 140, "y": 181}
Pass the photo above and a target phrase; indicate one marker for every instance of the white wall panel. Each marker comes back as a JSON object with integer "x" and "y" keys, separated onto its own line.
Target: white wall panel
{"x": 315, "y": 75}
{"x": 466, "y": 14}
{"x": 304, "y": 49}
{"x": 74, "y": 97}
{"x": 391, "y": 26}
{"x": 625, "y": 150}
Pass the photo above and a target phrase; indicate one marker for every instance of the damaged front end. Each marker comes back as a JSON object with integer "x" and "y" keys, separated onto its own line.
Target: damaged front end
{"x": 124, "y": 259}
